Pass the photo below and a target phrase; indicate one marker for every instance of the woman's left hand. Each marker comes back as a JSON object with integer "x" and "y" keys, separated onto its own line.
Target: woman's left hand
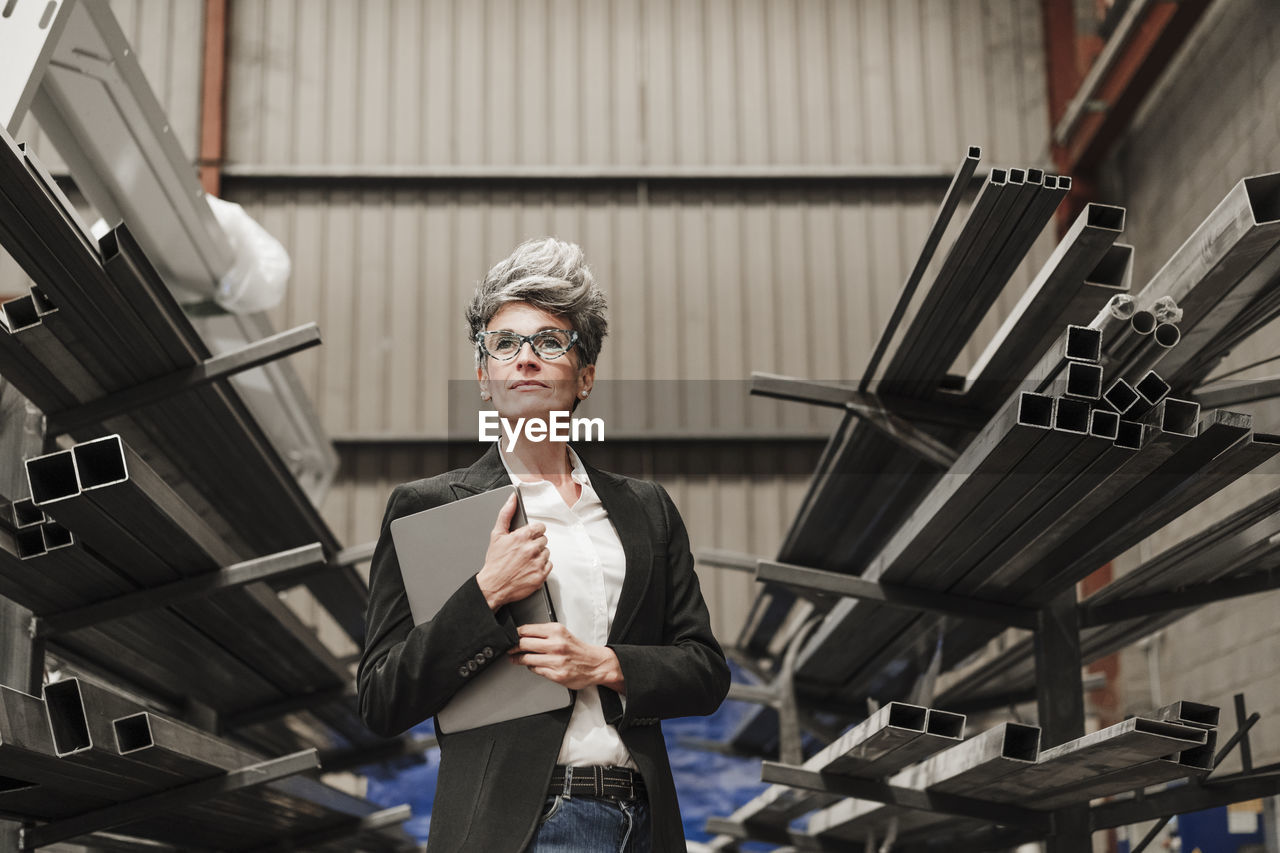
{"x": 551, "y": 651}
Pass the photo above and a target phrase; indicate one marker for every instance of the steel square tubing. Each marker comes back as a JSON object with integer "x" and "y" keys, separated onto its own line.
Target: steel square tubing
{"x": 1080, "y": 380}
{"x": 1202, "y": 556}
{"x": 986, "y": 461}
{"x": 990, "y": 197}
{"x": 162, "y": 742}
{"x": 1121, "y": 396}
{"x": 989, "y": 756}
{"x": 1249, "y": 303}
{"x": 951, "y": 322}
{"x": 1240, "y": 231}
{"x": 1023, "y": 227}
{"x": 989, "y": 459}
{"x": 1104, "y": 424}
{"x": 1218, "y": 456}
{"x": 31, "y": 378}
{"x": 74, "y": 279}
{"x": 27, "y": 752}
{"x": 1060, "y": 459}
{"x": 80, "y": 716}
{"x": 28, "y": 327}
{"x": 1188, "y": 764}
{"x": 291, "y": 645}
{"x": 890, "y": 727}
{"x": 950, "y": 201}
{"x": 1124, "y": 744}
{"x": 1117, "y": 470}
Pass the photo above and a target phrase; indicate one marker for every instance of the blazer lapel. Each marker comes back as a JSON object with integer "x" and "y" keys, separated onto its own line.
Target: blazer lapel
{"x": 485, "y": 474}
{"x": 629, "y": 519}
{"x": 624, "y": 509}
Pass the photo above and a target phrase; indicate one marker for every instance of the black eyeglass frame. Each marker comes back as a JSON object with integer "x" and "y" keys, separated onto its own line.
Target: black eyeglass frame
{"x": 480, "y": 336}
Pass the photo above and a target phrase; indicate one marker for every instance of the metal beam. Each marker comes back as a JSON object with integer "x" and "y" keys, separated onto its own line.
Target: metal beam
{"x": 128, "y": 400}
{"x": 841, "y": 396}
{"x": 165, "y": 802}
{"x": 894, "y": 595}
{"x": 274, "y": 567}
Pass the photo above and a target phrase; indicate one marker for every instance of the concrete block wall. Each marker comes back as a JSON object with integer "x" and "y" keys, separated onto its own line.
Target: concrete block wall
{"x": 1212, "y": 120}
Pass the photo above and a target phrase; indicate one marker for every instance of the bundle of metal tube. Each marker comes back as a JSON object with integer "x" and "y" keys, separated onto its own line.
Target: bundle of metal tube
{"x": 1011, "y": 210}
{"x": 893, "y": 737}
{"x": 253, "y": 649}
{"x": 101, "y": 321}
{"x": 867, "y": 483}
{"x": 1225, "y": 279}
{"x": 1005, "y": 764}
{"x": 1245, "y": 544}
{"x": 1022, "y": 545}
{"x": 84, "y": 748}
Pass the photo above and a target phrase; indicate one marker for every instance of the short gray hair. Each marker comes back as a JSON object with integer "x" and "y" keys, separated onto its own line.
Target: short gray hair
{"x": 549, "y": 274}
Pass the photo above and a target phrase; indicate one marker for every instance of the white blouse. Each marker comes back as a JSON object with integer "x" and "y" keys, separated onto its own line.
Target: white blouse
{"x": 587, "y": 568}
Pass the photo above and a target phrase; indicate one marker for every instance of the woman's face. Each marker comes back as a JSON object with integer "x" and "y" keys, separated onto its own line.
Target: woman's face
{"x": 528, "y": 385}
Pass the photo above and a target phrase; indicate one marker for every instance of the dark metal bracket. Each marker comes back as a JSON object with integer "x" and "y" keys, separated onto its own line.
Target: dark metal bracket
{"x": 805, "y": 579}
{"x": 123, "y": 402}
{"x": 164, "y": 802}
{"x": 866, "y": 406}
{"x": 274, "y": 567}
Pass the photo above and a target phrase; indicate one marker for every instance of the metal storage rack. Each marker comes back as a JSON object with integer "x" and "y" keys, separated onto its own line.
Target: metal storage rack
{"x": 161, "y": 519}
{"x": 946, "y": 509}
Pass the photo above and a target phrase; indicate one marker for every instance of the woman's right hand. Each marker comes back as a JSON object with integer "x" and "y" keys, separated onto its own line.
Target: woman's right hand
{"x": 517, "y": 561}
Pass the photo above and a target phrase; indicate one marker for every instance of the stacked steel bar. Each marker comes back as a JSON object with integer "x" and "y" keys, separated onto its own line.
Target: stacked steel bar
{"x": 1225, "y": 280}
{"x": 85, "y": 749}
{"x": 893, "y": 737}
{"x": 1245, "y": 544}
{"x": 1020, "y": 539}
{"x": 995, "y": 234}
{"x": 106, "y": 322}
{"x": 253, "y": 649}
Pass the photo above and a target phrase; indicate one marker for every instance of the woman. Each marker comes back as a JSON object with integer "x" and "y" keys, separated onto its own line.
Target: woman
{"x": 633, "y": 640}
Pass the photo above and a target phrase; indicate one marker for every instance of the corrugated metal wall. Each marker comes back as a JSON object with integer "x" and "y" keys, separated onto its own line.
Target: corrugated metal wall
{"x": 706, "y": 282}
{"x": 626, "y": 82}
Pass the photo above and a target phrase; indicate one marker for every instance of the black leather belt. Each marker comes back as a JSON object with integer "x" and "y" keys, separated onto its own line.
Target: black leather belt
{"x": 596, "y": 781}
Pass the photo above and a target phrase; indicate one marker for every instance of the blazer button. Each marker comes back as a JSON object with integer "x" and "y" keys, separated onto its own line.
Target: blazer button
{"x": 488, "y": 652}
{"x": 471, "y": 665}
{"x": 480, "y": 659}
{"x": 463, "y": 671}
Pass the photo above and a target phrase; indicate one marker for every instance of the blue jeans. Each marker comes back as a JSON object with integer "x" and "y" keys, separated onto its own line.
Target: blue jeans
{"x": 590, "y": 825}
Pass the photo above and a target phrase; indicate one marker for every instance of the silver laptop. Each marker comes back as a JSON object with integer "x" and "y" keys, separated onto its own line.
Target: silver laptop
{"x": 439, "y": 549}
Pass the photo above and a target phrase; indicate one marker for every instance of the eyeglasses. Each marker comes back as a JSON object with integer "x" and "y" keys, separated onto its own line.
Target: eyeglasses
{"x": 548, "y": 344}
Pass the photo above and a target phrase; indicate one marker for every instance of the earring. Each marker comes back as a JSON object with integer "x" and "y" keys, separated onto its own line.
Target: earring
{"x": 484, "y": 395}
{"x": 584, "y": 394}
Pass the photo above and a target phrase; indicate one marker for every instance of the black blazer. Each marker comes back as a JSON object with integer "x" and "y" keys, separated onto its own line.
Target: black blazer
{"x": 493, "y": 780}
